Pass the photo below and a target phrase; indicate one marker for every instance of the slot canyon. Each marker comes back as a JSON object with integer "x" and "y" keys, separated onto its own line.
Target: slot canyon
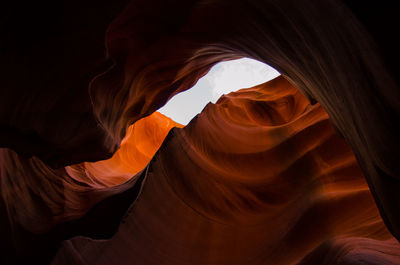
{"x": 303, "y": 169}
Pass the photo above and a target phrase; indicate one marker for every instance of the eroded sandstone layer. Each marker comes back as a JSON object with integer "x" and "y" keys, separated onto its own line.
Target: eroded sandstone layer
{"x": 260, "y": 177}
{"x": 262, "y": 173}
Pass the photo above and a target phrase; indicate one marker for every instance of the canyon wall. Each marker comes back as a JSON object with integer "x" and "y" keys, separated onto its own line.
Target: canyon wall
{"x": 74, "y": 79}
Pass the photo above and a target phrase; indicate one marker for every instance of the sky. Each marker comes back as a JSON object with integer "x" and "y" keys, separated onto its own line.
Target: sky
{"x": 223, "y": 78}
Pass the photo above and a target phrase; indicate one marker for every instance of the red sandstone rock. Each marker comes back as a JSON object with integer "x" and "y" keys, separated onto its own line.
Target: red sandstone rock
{"x": 261, "y": 177}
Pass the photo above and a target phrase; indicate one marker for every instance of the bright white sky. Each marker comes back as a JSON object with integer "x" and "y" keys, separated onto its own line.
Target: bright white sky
{"x": 222, "y": 79}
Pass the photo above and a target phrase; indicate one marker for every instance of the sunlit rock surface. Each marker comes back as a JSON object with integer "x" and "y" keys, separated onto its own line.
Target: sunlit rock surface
{"x": 259, "y": 178}
{"x": 141, "y": 142}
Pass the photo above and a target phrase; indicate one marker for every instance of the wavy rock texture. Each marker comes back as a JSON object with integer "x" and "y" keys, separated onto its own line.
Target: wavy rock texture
{"x": 320, "y": 46}
{"x": 43, "y": 203}
{"x": 258, "y": 178}
{"x": 260, "y": 173}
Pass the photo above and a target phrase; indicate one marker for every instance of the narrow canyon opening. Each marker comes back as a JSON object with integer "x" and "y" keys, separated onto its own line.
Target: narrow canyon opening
{"x": 223, "y": 78}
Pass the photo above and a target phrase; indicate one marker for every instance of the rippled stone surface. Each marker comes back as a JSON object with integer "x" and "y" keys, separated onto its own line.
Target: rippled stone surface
{"x": 262, "y": 173}
{"x": 260, "y": 177}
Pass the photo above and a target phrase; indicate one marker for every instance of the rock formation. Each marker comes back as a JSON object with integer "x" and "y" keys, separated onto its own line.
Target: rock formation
{"x": 265, "y": 176}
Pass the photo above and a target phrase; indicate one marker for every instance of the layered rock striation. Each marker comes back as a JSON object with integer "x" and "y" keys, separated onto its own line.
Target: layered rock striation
{"x": 265, "y": 176}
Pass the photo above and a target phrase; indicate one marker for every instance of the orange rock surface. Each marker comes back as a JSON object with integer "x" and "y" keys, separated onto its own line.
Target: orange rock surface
{"x": 265, "y": 176}
{"x": 260, "y": 177}
{"x": 141, "y": 142}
